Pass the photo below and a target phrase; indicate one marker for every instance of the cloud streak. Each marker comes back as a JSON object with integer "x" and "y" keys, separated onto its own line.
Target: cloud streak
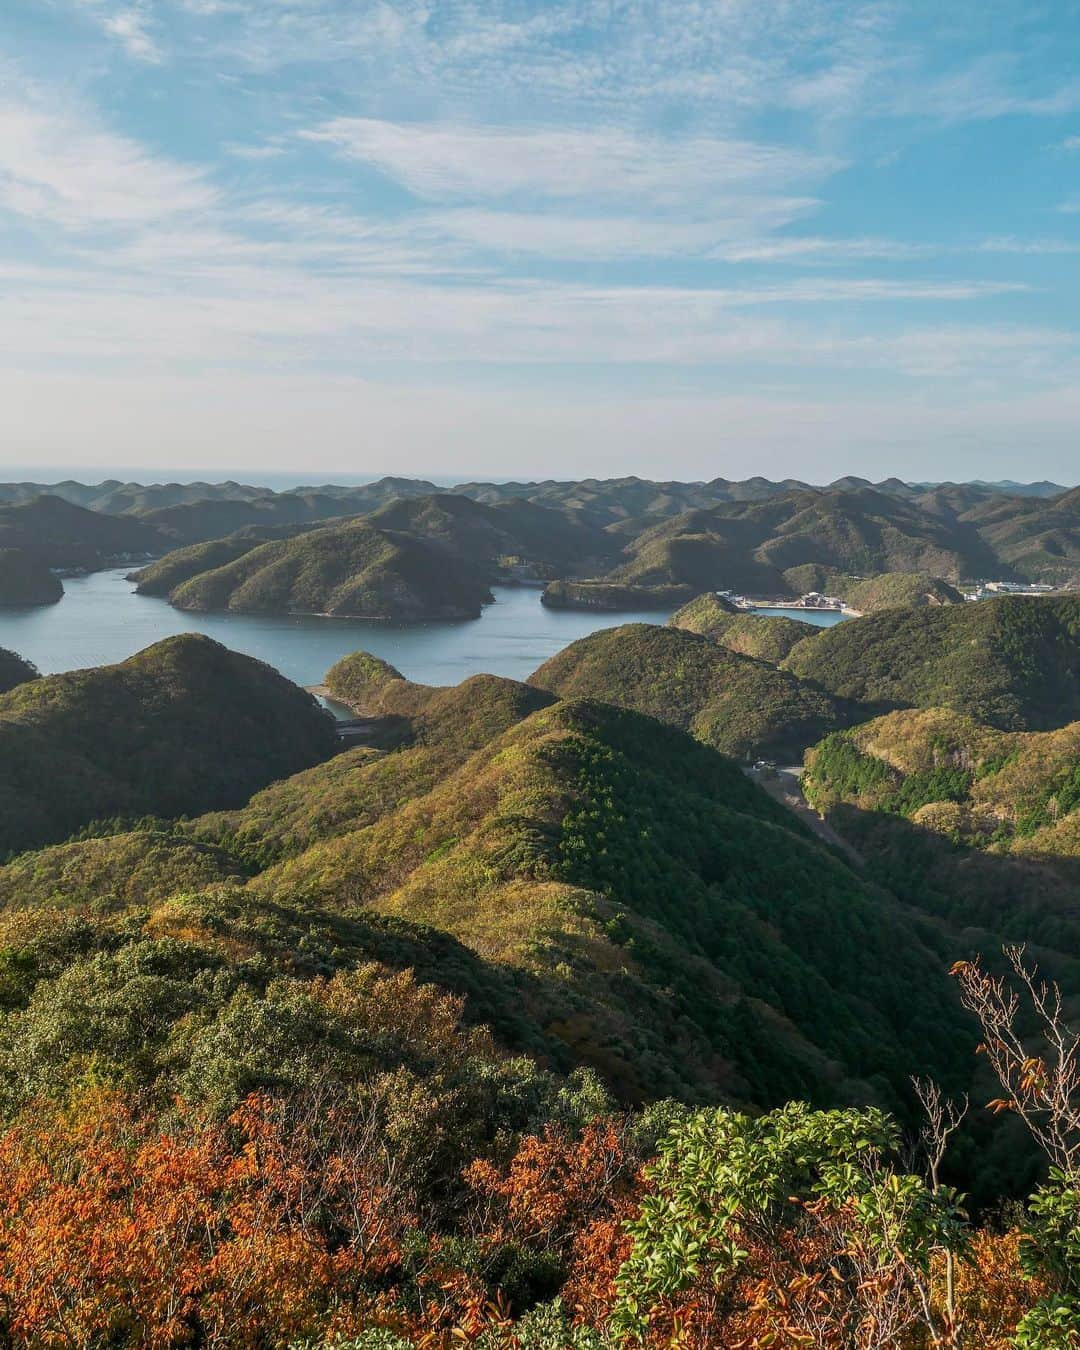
{"x": 57, "y": 166}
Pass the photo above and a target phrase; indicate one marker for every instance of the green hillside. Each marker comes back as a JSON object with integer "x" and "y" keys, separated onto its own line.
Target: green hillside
{"x": 184, "y": 726}
{"x": 766, "y": 637}
{"x": 708, "y": 614}
{"x": 59, "y": 534}
{"x": 639, "y": 879}
{"x": 351, "y": 569}
{"x": 215, "y": 515}
{"x": 889, "y": 590}
{"x": 485, "y": 534}
{"x": 604, "y": 890}
{"x": 1039, "y": 538}
{"x": 687, "y": 554}
{"x": 14, "y": 670}
{"x": 784, "y": 543}
{"x": 976, "y": 827}
{"x": 1012, "y": 662}
{"x": 165, "y": 574}
{"x": 1009, "y": 791}
{"x": 26, "y": 580}
{"x": 731, "y": 702}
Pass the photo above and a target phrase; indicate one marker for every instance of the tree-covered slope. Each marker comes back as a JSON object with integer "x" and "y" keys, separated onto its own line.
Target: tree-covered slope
{"x": 976, "y": 827}
{"x": 678, "y": 931}
{"x": 612, "y": 596}
{"x": 760, "y": 546}
{"x": 486, "y": 534}
{"x": 708, "y": 614}
{"x": 690, "y": 554}
{"x": 735, "y": 703}
{"x": 59, "y": 534}
{"x": 184, "y": 726}
{"x": 1004, "y": 790}
{"x": 1012, "y": 662}
{"x": 606, "y": 891}
{"x": 350, "y": 569}
{"x": 1038, "y": 537}
{"x": 26, "y": 580}
{"x": 866, "y": 531}
{"x": 14, "y": 670}
{"x": 888, "y": 590}
{"x": 165, "y": 574}
{"x": 766, "y": 637}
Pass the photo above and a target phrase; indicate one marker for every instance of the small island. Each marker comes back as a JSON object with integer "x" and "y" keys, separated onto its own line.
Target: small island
{"x": 346, "y": 571}
{"x": 26, "y": 580}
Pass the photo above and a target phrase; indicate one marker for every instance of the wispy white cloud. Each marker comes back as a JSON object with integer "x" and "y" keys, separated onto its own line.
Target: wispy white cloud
{"x": 1012, "y": 244}
{"x": 56, "y": 165}
{"x": 243, "y": 150}
{"x": 986, "y": 88}
{"x": 131, "y": 28}
{"x": 446, "y": 162}
{"x": 547, "y": 234}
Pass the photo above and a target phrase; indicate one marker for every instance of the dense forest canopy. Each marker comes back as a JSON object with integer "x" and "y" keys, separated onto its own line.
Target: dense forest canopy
{"x": 25, "y": 580}
{"x": 1013, "y": 662}
{"x": 181, "y": 727}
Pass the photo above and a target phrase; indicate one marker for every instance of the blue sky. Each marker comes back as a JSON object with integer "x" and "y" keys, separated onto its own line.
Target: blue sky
{"x": 679, "y": 238}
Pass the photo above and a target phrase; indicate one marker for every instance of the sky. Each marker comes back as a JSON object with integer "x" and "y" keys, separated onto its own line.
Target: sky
{"x": 509, "y": 238}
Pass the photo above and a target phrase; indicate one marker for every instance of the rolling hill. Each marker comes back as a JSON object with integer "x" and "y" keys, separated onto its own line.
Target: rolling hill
{"x": 732, "y": 702}
{"x": 766, "y": 637}
{"x": 350, "y": 569}
{"x": 1012, "y": 662}
{"x": 183, "y": 727}
{"x": 545, "y": 539}
{"x": 57, "y": 534}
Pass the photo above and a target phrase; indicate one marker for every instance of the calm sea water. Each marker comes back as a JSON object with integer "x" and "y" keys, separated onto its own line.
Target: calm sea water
{"x": 101, "y": 620}
{"x": 820, "y": 618}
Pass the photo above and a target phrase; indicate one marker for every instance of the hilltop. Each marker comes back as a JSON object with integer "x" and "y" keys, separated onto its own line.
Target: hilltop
{"x": 732, "y": 702}
{"x": 165, "y": 574}
{"x": 350, "y": 569}
{"x": 26, "y": 580}
{"x": 1039, "y": 537}
{"x": 486, "y": 535}
{"x": 1012, "y": 662}
{"x": 761, "y": 547}
{"x": 767, "y": 637}
{"x": 183, "y": 727}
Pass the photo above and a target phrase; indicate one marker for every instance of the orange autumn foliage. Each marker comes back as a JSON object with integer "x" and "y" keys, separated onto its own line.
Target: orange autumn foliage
{"x": 113, "y": 1231}
{"x": 992, "y": 1292}
{"x": 554, "y": 1184}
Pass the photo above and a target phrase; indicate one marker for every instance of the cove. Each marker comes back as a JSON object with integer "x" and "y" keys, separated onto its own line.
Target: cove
{"x": 101, "y": 620}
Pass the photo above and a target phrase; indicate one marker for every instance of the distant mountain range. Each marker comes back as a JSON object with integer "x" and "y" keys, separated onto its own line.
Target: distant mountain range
{"x": 621, "y": 542}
